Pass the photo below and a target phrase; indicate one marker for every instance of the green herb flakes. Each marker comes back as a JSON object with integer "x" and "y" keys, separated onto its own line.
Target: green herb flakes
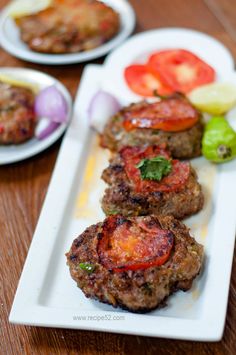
{"x": 87, "y": 267}
{"x": 155, "y": 168}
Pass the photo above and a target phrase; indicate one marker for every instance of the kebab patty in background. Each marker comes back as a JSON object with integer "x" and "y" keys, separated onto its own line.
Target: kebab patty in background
{"x": 69, "y": 26}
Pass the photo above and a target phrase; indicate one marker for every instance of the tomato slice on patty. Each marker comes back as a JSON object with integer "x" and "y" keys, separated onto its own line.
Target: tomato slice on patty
{"x": 125, "y": 244}
{"x": 174, "y": 181}
{"x": 141, "y": 81}
{"x": 173, "y": 114}
{"x": 180, "y": 70}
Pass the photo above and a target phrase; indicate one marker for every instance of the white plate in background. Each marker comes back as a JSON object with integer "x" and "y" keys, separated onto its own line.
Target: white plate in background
{"x": 46, "y": 294}
{"x": 16, "y": 152}
{"x": 11, "y": 42}
{"x": 138, "y": 48}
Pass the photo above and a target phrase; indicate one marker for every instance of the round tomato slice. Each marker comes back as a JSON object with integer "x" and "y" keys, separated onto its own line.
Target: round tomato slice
{"x": 180, "y": 70}
{"x": 125, "y": 244}
{"x": 174, "y": 181}
{"x": 141, "y": 81}
{"x": 173, "y": 114}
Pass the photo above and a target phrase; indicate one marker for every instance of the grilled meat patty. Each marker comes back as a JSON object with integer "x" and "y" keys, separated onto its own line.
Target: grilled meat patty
{"x": 69, "y": 26}
{"x": 138, "y": 290}
{"x": 182, "y": 144}
{"x": 123, "y": 197}
{"x": 17, "y": 116}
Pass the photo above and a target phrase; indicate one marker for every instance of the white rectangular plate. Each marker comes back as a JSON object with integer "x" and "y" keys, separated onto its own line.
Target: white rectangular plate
{"x": 47, "y": 296}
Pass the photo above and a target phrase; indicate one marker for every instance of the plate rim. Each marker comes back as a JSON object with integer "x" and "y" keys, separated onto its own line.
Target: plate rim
{"x": 134, "y": 40}
{"x": 26, "y": 310}
{"x": 161, "y": 30}
{"x": 71, "y": 58}
{"x": 40, "y": 145}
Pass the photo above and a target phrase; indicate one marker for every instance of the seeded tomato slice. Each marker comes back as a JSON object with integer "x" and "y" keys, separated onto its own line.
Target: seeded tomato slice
{"x": 173, "y": 114}
{"x": 174, "y": 181}
{"x": 125, "y": 244}
{"x": 141, "y": 81}
{"x": 180, "y": 69}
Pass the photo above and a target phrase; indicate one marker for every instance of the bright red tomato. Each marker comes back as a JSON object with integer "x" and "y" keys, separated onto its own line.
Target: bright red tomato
{"x": 174, "y": 181}
{"x": 128, "y": 245}
{"x": 141, "y": 81}
{"x": 173, "y": 114}
{"x": 180, "y": 69}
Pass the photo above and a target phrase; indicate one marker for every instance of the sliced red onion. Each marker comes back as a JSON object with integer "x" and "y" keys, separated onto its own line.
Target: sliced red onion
{"x": 45, "y": 127}
{"x": 51, "y": 103}
{"x": 102, "y": 106}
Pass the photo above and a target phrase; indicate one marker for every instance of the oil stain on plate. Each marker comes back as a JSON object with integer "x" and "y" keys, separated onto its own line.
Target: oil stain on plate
{"x": 199, "y": 223}
{"x": 92, "y": 187}
{"x": 88, "y": 202}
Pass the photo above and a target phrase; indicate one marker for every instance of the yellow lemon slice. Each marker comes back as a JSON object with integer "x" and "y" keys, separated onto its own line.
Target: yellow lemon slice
{"x": 19, "y": 8}
{"x": 216, "y": 99}
{"x": 8, "y": 79}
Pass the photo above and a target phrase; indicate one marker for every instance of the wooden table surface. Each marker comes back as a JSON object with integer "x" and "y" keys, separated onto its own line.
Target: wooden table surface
{"x": 23, "y": 187}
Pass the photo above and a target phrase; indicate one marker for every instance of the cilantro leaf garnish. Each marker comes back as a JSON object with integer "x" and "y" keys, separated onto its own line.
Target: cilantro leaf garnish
{"x": 155, "y": 168}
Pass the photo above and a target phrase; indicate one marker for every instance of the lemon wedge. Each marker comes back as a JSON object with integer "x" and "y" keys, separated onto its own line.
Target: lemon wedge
{"x": 8, "y": 79}
{"x": 216, "y": 99}
{"x": 19, "y": 8}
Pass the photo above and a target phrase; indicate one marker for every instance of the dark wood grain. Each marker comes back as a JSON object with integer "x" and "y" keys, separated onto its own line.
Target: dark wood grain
{"x": 23, "y": 187}
{"x": 223, "y": 12}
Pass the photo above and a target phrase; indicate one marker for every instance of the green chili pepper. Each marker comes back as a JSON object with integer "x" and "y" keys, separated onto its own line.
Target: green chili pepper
{"x": 219, "y": 140}
{"x": 87, "y": 267}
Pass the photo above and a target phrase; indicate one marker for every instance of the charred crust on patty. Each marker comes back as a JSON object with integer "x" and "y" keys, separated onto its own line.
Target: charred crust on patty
{"x": 141, "y": 290}
{"x": 17, "y": 115}
{"x": 120, "y": 195}
{"x": 69, "y": 27}
{"x": 184, "y": 144}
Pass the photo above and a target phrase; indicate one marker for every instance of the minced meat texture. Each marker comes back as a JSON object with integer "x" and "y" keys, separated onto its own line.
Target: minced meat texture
{"x": 69, "y": 26}
{"x": 17, "y": 116}
{"x": 121, "y": 197}
{"x": 182, "y": 144}
{"x": 141, "y": 290}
